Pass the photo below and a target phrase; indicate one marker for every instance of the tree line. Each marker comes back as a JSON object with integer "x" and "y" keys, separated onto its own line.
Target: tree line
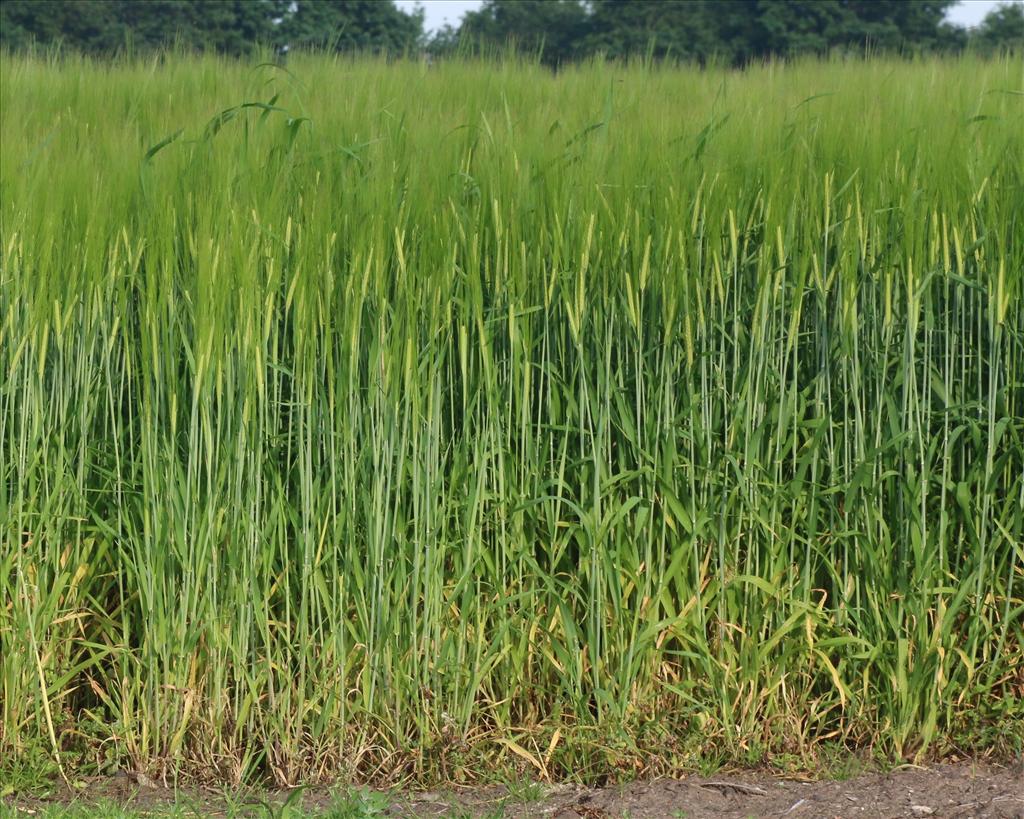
{"x": 557, "y": 31}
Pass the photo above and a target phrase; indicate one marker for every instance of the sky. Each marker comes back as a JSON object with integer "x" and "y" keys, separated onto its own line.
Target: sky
{"x": 440, "y": 12}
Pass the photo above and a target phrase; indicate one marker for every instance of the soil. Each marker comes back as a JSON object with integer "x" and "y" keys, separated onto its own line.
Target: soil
{"x": 952, "y": 790}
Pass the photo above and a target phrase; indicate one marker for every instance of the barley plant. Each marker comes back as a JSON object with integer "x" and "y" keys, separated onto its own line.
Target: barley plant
{"x": 392, "y": 421}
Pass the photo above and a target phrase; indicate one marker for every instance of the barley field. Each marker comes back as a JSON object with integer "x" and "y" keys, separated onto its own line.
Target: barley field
{"x": 406, "y": 422}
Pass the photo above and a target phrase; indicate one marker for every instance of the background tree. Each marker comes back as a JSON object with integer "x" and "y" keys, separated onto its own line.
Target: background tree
{"x": 1001, "y": 30}
{"x": 365, "y": 25}
{"x": 554, "y": 29}
{"x": 897, "y": 24}
{"x": 736, "y": 30}
{"x": 662, "y": 28}
{"x": 226, "y": 26}
{"x": 91, "y": 26}
{"x": 747, "y": 30}
{"x": 232, "y": 27}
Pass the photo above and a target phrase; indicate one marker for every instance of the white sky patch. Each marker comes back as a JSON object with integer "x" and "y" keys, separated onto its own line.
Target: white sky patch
{"x": 449, "y": 12}
{"x": 439, "y": 13}
{"x": 970, "y": 12}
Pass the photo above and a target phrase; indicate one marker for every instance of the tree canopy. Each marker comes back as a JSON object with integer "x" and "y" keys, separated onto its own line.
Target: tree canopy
{"x": 226, "y": 26}
{"x": 351, "y": 25}
{"x": 1002, "y": 29}
{"x": 733, "y": 31}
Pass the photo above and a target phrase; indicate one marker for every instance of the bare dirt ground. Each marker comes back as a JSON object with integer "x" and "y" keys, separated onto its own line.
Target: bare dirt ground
{"x": 953, "y": 790}
{"x": 946, "y": 791}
